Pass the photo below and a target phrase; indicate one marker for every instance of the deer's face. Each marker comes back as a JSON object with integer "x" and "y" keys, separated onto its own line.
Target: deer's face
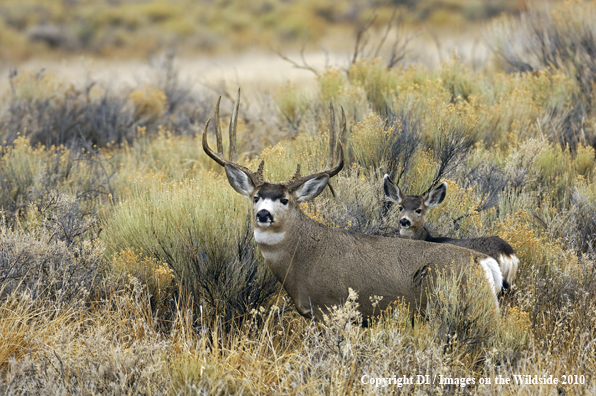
{"x": 412, "y": 208}
{"x": 271, "y": 205}
{"x": 411, "y": 214}
{"x": 274, "y": 204}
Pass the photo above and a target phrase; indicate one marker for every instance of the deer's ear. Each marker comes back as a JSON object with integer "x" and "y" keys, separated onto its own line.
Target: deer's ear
{"x": 436, "y": 196}
{"x": 311, "y": 188}
{"x": 239, "y": 180}
{"x": 392, "y": 191}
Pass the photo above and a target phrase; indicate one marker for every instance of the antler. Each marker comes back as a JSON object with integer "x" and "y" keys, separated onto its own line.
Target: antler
{"x": 256, "y": 177}
{"x": 332, "y": 167}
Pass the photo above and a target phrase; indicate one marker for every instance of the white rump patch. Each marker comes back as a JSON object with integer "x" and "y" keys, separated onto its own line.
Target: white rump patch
{"x": 268, "y": 238}
{"x": 509, "y": 265}
{"x": 493, "y": 273}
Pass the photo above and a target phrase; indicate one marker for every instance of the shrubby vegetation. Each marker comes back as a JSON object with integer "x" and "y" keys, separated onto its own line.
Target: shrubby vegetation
{"x": 560, "y": 40}
{"x": 54, "y": 112}
{"x": 127, "y": 263}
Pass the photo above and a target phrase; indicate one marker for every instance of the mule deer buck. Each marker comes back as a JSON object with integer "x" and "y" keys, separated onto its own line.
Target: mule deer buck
{"x": 317, "y": 264}
{"x": 412, "y": 211}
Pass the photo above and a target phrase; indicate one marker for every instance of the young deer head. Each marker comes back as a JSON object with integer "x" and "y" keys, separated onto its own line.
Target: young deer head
{"x": 413, "y": 208}
{"x": 317, "y": 264}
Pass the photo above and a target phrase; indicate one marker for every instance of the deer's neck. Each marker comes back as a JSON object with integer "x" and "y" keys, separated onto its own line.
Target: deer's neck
{"x": 286, "y": 249}
{"x": 268, "y": 237}
{"x": 421, "y": 234}
{"x": 271, "y": 242}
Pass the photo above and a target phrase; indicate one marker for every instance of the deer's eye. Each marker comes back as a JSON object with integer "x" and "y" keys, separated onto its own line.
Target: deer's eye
{"x": 284, "y": 201}
{"x": 400, "y": 208}
{"x": 256, "y": 199}
{"x": 418, "y": 211}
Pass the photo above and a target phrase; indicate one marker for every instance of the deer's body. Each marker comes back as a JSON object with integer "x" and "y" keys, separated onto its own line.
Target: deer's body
{"x": 317, "y": 264}
{"x": 412, "y": 226}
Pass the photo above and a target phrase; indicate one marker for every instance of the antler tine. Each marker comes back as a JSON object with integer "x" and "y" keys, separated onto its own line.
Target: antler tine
{"x": 297, "y": 174}
{"x": 331, "y": 135}
{"x": 215, "y": 156}
{"x": 331, "y": 169}
{"x": 260, "y": 169}
{"x": 233, "y": 125}
{"x": 256, "y": 177}
{"x": 218, "y": 129}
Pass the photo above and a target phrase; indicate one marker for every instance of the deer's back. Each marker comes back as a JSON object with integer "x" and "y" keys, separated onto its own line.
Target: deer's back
{"x": 491, "y": 246}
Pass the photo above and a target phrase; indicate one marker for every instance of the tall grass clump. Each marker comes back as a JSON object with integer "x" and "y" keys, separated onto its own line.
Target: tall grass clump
{"x": 378, "y": 82}
{"x": 25, "y": 324}
{"x": 293, "y": 104}
{"x": 398, "y": 146}
{"x": 201, "y": 229}
{"x": 158, "y": 278}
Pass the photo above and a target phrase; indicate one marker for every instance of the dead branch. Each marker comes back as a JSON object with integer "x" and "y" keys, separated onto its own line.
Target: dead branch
{"x": 304, "y": 65}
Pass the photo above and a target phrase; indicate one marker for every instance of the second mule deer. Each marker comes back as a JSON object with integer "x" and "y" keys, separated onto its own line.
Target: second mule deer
{"x": 412, "y": 225}
{"x": 317, "y": 264}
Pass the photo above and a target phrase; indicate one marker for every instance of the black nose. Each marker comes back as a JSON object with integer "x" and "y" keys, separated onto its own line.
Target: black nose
{"x": 405, "y": 222}
{"x": 264, "y": 216}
